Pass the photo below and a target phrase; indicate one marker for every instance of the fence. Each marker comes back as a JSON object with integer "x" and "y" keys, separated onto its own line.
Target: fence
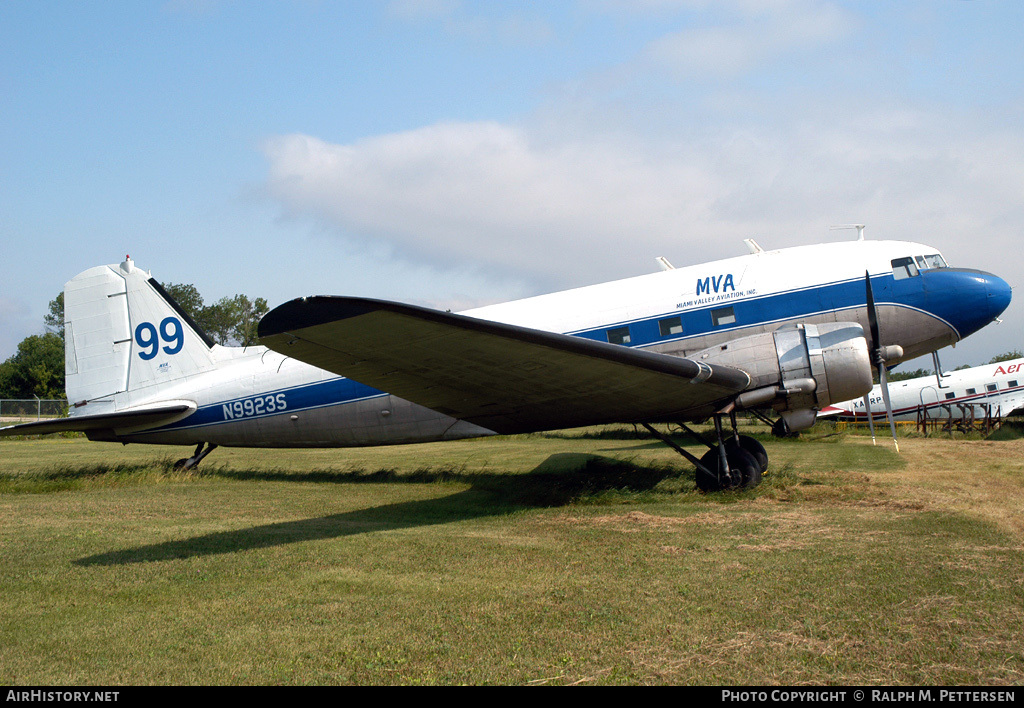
{"x": 15, "y": 409}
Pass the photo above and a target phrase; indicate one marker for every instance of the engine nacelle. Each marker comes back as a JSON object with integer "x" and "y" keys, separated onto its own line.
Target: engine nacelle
{"x": 800, "y": 369}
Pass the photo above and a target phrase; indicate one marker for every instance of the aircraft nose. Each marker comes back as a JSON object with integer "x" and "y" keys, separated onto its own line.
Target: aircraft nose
{"x": 999, "y": 294}
{"x": 982, "y": 298}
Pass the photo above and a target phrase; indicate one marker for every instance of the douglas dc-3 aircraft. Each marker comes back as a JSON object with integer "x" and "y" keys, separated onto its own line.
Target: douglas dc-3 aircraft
{"x": 999, "y": 386}
{"x": 794, "y": 330}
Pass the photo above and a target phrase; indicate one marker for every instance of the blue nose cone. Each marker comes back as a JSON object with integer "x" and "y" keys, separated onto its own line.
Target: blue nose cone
{"x": 967, "y": 299}
{"x": 999, "y": 294}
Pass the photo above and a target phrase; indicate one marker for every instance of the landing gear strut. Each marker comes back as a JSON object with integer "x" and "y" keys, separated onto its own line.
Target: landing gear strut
{"x": 188, "y": 463}
{"x": 736, "y": 462}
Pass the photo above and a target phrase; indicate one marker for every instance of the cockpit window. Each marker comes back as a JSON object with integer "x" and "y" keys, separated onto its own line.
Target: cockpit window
{"x": 903, "y": 268}
{"x": 934, "y": 261}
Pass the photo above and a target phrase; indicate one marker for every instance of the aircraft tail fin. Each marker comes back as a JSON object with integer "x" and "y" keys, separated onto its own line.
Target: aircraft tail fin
{"x": 123, "y": 335}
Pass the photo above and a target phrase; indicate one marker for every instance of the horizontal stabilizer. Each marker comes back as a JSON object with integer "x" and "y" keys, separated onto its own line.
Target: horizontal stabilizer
{"x": 138, "y": 418}
{"x": 506, "y": 378}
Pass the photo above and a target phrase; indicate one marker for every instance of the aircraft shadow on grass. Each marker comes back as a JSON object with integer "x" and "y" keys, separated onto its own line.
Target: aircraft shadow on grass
{"x": 559, "y": 480}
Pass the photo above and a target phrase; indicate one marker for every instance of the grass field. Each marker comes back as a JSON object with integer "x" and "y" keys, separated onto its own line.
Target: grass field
{"x": 582, "y": 557}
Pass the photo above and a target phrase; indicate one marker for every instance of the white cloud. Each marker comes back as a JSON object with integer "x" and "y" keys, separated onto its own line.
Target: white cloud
{"x": 756, "y": 36}
{"x": 569, "y": 209}
{"x": 486, "y": 193}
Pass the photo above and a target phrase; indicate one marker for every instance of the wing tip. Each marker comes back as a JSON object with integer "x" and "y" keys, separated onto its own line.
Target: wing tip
{"x": 311, "y": 311}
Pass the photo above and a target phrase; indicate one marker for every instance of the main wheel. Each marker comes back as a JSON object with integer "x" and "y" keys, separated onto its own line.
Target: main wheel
{"x": 709, "y": 482}
{"x": 754, "y": 448}
{"x": 744, "y": 470}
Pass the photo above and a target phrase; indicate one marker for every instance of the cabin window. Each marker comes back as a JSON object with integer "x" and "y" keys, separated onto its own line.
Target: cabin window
{"x": 723, "y": 316}
{"x": 670, "y": 326}
{"x": 619, "y": 335}
{"x": 992, "y": 387}
{"x": 971, "y": 391}
{"x": 950, "y": 395}
{"x": 903, "y": 268}
{"x": 1011, "y": 384}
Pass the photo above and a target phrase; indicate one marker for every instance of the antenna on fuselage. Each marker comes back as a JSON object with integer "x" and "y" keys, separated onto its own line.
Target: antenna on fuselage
{"x": 753, "y": 246}
{"x": 859, "y": 227}
{"x": 663, "y": 262}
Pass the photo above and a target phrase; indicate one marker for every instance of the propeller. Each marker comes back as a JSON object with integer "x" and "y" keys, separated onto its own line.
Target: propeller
{"x": 878, "y": 357}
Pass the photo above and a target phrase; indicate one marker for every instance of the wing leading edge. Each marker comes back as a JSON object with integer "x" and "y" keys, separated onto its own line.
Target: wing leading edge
{"x": 506, "y": 378}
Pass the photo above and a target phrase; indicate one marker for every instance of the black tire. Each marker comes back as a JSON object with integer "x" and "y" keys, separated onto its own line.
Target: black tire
{"x": 754, "y": 448}
{"x": 744, "y": 470}
{"x": 749, "y": 467}
{"x": 705, "y": 482}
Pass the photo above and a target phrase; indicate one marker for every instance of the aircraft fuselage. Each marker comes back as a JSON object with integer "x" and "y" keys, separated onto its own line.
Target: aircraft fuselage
{"x": 255, "y": 397}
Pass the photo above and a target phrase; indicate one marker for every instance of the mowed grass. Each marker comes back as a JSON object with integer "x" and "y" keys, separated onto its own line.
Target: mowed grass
{"x": 582, "y": 557}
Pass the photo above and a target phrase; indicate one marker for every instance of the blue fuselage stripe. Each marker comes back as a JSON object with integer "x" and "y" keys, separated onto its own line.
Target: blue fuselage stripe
{"x": 758, "y": 310}
{"x": 283, "y": 401}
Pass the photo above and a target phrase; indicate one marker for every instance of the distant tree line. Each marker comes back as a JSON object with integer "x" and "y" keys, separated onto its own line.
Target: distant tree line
{"x": 231, "y": 321}
{"x": 37, "y": 369}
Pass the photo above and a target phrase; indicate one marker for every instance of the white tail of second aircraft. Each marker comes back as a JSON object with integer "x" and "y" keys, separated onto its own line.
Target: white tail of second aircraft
{"x": 122, "y": 334}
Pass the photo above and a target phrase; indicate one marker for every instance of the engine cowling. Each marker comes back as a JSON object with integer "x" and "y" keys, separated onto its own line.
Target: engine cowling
{"x": 798, "y": 370}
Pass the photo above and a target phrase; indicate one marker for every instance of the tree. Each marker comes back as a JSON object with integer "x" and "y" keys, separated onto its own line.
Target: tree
{"x": 186, "y": 295}
{"x": 1007, "y": 356}
{"x": 233, "y": 320}
{"x": 905, "y": 375}
{"x": 37, "y": 369}
{"x": 54, "y": 319}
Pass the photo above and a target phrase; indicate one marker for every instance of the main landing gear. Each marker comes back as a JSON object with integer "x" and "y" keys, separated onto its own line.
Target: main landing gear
{"x": 188, "y": 463}
{"x": 736, "y": 462}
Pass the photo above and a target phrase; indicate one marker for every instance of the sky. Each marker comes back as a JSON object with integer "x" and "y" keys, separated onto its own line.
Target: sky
{"x": 456, "y": 153}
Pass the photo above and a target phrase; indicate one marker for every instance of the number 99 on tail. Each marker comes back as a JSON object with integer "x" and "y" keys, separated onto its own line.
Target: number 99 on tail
{"x": 149, "y": 338}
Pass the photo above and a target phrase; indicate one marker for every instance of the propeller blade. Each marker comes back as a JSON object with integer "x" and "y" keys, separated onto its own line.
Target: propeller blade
{"x": 876, "y": 339}
{"x": 884, "y": 380}
{"x": 878, "y": 359}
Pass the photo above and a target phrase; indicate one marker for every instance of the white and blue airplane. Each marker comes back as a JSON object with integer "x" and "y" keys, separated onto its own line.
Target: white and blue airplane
{"x": 993, "y": 389}
{"x": 794, "y": 330}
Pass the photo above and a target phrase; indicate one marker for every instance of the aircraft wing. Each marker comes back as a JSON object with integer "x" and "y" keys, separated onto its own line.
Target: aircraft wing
{"x": 506, "y": 378}
{"x": 138, "y": 418}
